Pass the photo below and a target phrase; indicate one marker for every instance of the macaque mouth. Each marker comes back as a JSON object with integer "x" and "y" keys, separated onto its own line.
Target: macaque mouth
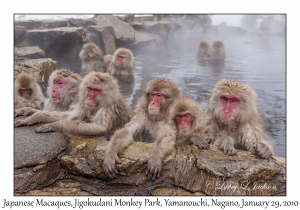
{"x": 25, "y": 92}
{"x": 55, "y": 98}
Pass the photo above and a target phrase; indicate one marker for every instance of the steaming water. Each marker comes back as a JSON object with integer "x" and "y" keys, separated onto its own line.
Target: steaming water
{"x": 256, "y": 60}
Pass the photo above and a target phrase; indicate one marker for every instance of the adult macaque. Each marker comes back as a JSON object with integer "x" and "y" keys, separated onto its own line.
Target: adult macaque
{"x": 203, "y": 48}
{"x": 62, "y": 91}
{"x": 150, "y": 114}
{"x": 122, "y": 62}
{"x": 100, "y": 110}
{"x": 233, "y": 112}
{"x": 217, "y": 51}
{"x": 92, "y": 58}
{"x": 27, "y": 92}
{"x": 186, "y": 117}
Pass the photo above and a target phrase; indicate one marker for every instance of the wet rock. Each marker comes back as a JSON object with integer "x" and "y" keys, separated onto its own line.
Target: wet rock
{"x": 173, "y": 191}
{"x": 75, "y": 22}
{"x": 62, "y": 43}
{"x": 123, "y": 31}
{"x": 191, "y": 169}
{"x": 159, "y": 28}
{"x": 31, "y": 148}
{"x": 26, "y": 179}
{"x": 29, "y": 52}
{"x": 40, "y": 69}
{"x": 20, "y": 34}
{"x": 66, "y": 187}
{"x": 105, "y": 36}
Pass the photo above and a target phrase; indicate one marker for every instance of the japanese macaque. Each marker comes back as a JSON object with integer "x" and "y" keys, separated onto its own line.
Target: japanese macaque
{"x": 233, "y": 112}
{"x": 122, "y": 62}
{"x": 266, "y": 24}
{"x": 62, "y": 91}
{"x": 186, "y": 117}
{"x": 27, "y": 92}
{"x": 107, "y": 60}
{"x": 216, "y": 51}
{"x": 150, "y": 114}
{"x": 203, "y": 48}
{"x": 100, "y": 110}
{"x": 92, "y": 58}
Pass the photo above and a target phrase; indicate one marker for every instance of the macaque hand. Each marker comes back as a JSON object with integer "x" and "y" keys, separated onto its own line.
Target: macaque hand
{"x": 154, "y": 168}
{"x": 262, "y": 150}
{"x": 202, "y": 143}
{"x": 22, "y": 112}
{"x": 48, "y": 128}
{"x": 109, "y": 166}
{"x": 228, "y": 148}
{"x": 25, "y": 122}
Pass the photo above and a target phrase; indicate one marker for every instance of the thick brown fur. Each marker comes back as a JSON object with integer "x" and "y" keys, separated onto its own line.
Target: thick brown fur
{"x": 246, "y": 127}
{"x": 203, "y": 48}
{"x": 217, "y": 51}
{"x": 199, "y": 134}
{"x": 36, "y": 98}
{"x": 109, "y": 113}
{"x": 92, "y": 58}
{"x": 127, "y": 66}
{"x": 69, "y": 97}
{"x": 107, "y": 60}
{"x": 157, "y": 126}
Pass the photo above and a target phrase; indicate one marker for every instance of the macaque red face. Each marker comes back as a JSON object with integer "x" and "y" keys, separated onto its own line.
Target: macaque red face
{"x": 58, "y": 85}
{"x": 25, "y": 92}
{"x": 120, "y": 59}
{"x": 184, "y": 121}
{"x": 92, "y": 93}
{"x": 155, "y": 99}
{"x": 229, "y": 103}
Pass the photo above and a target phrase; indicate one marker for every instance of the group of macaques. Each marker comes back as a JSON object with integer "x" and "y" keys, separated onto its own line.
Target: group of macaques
{"x": 93, "y": 106}
{"x": 214, "y": 53}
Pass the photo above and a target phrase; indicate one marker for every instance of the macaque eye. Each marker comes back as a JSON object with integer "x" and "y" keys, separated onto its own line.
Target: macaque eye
{"x": 178, "y": 116}
{"x": 89, "y": 88}
{"x": 187, "y": 114}
{"x": 151, "y": 94}
{"x": 121, "y": 56}
{"x": 160, "y": 95}
{"x": 234, "y": 100}
{"x": 223, "y": 98}
{"x": 97, "y": 90}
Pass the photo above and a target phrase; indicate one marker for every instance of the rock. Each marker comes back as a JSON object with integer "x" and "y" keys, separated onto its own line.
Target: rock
{"x": 197, "y": 171}
{"x": 40, "y": 69}
{"x": 29, "y": 52}
{"x": 30, "y": 24}
{"x": 173, "y": 191}
{"x": 81, "y": 22}
{"x": 31, "y": 148}
{"x": 65, "y": 187}
{"x": 20, "y": 34}
{"x": 123, "y": 31}
{"x": 159, "y": 28}
{"x": 61, "y": 44}
{"x": 105, "y": 36}
{"x": 29, "y": 178}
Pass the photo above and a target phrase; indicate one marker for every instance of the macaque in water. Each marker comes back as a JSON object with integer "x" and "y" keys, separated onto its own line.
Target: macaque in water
{"x": 233, "y": 112}
{"x": 186, "y": 117}
{"x": 122, "y": 62}
{"x": 216, "y": 51}
{"x": 27, "y": 92}
{"x": 203, "y": 48}
{"x": 151, "y": 115}
{"x": 92, "y": 58}
{"x": 100, "y": 110}
{"x": 62, "y": 91}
